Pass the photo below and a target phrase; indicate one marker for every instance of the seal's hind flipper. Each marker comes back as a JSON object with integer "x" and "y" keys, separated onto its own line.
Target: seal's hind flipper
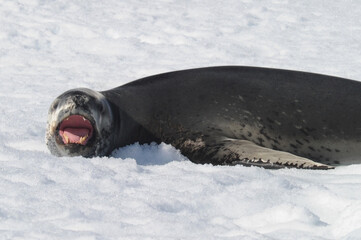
{"x": 234, "y": 152}
{"x": 249, "y": 154}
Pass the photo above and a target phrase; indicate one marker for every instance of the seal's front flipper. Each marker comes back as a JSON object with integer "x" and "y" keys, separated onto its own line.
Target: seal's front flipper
{"x": 234, "y": 151}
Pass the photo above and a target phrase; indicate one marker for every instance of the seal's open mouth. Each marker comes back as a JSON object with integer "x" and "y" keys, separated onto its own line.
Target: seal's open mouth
{"x": 76, "y": 129}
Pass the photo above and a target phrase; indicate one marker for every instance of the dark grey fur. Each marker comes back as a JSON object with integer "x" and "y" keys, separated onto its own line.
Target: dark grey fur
{"x": 241, "y": 115}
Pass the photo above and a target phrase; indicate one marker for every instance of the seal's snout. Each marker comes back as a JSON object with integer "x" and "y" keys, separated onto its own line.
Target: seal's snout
{"x": 76, "y": 129}
{"x": 77, "y": 101}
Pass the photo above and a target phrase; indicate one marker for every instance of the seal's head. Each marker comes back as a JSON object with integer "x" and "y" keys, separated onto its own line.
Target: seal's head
{"x": 80, "y": 123}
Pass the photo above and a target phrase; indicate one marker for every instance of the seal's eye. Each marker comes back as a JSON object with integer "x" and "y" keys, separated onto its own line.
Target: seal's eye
{"x": 101, "y": 108}
{"x": 55, "y": 105}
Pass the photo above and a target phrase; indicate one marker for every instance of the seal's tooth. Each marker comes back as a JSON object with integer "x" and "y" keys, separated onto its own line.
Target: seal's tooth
{"x": 82, "y": 139}
{"x": 66, "y": 138}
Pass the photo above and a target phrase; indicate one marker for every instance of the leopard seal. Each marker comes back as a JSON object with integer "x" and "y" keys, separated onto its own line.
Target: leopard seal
{"x": 227, "y": 115}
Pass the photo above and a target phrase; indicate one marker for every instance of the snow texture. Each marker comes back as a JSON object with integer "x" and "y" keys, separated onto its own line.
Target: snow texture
{"x": 153, "y": 192}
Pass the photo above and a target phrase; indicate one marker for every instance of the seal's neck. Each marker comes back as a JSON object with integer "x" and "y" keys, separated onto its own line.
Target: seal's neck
{"x": 126, "y": 130}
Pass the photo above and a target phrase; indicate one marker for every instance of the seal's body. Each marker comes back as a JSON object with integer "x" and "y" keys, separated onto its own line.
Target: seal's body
{"x": 228, "y": 115}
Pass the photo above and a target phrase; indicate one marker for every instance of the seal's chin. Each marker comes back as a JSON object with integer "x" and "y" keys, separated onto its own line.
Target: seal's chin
{"x": 76, "y": 129}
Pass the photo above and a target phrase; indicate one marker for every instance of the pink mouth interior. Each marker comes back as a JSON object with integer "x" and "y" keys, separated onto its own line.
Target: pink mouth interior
{"x": 76, "y": 129}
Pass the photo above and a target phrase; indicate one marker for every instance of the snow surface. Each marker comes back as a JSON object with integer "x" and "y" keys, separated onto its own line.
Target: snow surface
{"x": 153, "y": 192}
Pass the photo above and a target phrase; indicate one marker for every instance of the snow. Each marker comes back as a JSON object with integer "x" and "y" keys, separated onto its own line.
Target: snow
{"x": 152, "y": 191}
